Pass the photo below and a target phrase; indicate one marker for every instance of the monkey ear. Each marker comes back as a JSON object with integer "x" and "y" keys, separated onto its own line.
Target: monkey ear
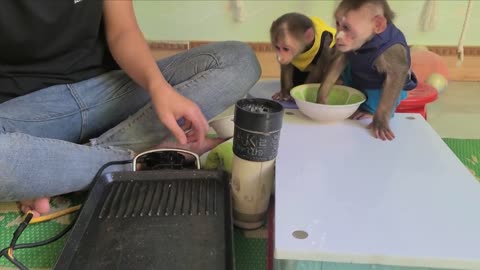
{"x": 380, "y": 24}
{"x": 309, "y": 35}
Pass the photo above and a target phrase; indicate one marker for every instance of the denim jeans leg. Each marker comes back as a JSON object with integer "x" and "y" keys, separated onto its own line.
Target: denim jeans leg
{"x": 41, "y": 134}
{"x": 214, "y": 76}
{"x": 33, "y": 167}
{"x": 40, "y": 154}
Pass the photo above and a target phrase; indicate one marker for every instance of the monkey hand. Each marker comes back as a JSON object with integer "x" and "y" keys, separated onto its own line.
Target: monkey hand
{"x": 322, "y": 99}
{"x": 359, "y": 114}
{"x": 322, "y": 95}
{"x": 380, "y": 127}
{"x": 282, "y": 96}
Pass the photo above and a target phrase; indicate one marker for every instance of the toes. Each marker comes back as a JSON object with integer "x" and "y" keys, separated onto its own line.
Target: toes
{"x": 25, "y": 209}
{"x": 38, "y": 206}
{"x": 42, "y": 205}
{"x": 207, "y": 145}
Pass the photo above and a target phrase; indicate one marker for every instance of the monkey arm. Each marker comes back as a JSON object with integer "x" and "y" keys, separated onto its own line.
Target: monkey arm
{"x": 335, "y": 67}
{"x": 318, "y": 71}
{"x": 393, "y": 63}
{"x": 286, "y": 79}
{"x": 286, "y": 83}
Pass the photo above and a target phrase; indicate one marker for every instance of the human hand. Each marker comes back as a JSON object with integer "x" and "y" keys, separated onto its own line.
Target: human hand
{"x": 172, "y": 106}
{"x": 380, "y": 127}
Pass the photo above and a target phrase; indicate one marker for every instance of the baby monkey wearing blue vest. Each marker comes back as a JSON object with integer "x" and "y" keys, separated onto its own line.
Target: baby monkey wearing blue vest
{"x": 370, "y": 55}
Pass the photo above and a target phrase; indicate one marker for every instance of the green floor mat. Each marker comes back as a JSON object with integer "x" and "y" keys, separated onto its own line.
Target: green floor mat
{"x": 468, "y": 151}
{"x": 250, "y": 254}
{"x": 41, "y": 257}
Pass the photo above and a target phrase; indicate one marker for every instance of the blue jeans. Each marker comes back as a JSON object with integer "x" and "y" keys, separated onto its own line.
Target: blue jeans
{"x": 54, "y": 140}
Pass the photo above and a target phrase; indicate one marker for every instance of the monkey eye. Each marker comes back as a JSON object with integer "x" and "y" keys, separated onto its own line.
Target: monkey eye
{"x": 342, "y": 26}
{"x": 286, "y": 49}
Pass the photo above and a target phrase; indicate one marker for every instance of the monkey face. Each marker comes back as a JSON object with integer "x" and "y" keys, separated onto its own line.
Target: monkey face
{"x": 287, "y": 49}
{"x": 354, "y": 28}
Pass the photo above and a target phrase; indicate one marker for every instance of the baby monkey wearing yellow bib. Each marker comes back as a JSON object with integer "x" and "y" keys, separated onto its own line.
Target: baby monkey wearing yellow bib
{"x": 302, "y": 45}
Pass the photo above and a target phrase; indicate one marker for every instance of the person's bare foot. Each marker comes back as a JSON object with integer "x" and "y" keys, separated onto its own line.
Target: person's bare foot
{"x": 199, "y": 149}
{"x": 38, "y": 206}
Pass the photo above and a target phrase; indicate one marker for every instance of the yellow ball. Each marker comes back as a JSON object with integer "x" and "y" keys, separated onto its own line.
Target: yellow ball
{"x": 437, "y": 81}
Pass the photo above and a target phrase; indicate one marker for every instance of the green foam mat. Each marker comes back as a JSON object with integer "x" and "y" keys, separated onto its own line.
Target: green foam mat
{"x": 250, "y": 254}
{"x": 468, "y": 151}
{"x": 42, "y": 257}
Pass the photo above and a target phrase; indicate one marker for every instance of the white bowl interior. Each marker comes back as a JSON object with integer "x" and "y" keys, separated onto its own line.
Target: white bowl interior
{"x": 342, "y": 102}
